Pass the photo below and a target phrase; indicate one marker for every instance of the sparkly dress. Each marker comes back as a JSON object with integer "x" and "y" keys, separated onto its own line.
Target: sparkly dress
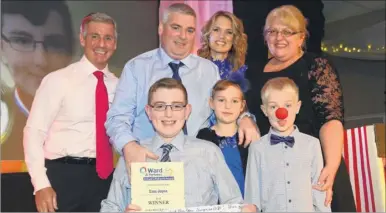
{"x": 235, "y": 156}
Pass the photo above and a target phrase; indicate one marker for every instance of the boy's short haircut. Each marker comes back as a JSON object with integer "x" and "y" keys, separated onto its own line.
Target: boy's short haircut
{"x": 279, "y": 83}
{"x": 222, "y": 85}
{"x": 167, "y": 83}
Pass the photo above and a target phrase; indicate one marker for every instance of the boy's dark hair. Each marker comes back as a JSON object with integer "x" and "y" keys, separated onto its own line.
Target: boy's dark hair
{"x": 36, "y": 12}
{"x": 166, "y": 83}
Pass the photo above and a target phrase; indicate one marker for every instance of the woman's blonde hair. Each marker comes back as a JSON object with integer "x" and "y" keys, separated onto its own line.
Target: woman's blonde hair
{"x": 239, "y": 47}
{"x": 289, "y": 16}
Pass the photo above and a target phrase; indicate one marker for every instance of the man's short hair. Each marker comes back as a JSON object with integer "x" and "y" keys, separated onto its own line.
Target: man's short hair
{"x": 167, "y": 83}
{"x": 177, "y": 8}
{"x": 97, "y": 17}
{"x": 278, "y": 84}
{"x": 36, "y": 12}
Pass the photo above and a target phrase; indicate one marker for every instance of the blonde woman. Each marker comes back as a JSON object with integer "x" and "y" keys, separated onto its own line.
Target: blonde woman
{"x": 225, "y": 44}
{"x": 321, "y": 114}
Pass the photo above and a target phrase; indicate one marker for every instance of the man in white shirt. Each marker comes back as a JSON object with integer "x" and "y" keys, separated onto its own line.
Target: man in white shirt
{"x": 66, "y": 148}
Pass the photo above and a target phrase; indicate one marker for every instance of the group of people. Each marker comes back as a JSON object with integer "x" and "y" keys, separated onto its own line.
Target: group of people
{"x": 172, "y": 105}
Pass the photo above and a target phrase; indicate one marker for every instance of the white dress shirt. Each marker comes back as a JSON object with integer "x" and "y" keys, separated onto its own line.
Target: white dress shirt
{"x": 62, "y": 118}
{"x": 279, "y": 178}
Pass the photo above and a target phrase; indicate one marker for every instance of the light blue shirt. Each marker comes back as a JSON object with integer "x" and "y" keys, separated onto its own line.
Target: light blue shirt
{"x": 208, "y": 180}
{"x": 127, "y": 119}
{"x": 280, "y": 178}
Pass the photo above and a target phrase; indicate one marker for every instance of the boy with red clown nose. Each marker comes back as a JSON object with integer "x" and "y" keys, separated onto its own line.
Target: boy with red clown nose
{"x": 284, "y": 165}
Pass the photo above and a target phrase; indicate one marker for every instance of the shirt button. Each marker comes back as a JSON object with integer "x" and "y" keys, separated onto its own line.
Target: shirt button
{"x": 289, "y": 200}
{"x": 287, "y": 164}
{"x": 286, "y": 147}
{"x": 288, "y": 182}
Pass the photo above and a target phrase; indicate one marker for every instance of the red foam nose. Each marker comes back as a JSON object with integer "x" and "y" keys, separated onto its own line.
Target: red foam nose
{"x": 281, "y": 113}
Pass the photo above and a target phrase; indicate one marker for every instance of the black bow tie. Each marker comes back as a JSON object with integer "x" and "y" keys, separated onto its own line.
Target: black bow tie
{"x": 289, "y": 140}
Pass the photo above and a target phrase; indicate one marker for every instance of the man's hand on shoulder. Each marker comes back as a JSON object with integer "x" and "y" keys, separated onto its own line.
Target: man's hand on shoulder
{"x": 45, "y": 200}
{"x": 133, "y": 152}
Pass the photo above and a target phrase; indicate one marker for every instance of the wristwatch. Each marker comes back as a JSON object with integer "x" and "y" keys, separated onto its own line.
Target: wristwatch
{"x": 245, "y": 114}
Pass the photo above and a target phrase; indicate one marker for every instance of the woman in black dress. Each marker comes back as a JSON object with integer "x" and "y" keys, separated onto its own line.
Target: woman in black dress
{"x": 321, "y": 114}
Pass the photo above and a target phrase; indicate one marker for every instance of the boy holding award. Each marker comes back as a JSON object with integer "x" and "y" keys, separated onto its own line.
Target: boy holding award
{"x": 207, "y": 180}
{"x": 285, "y": 163}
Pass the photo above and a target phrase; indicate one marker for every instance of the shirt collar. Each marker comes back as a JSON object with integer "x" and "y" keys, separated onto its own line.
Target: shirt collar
{"x": 293, "y": 133}
{"x": 178, "y": 142}
{"x": 89, "y": 68}
{"x": 166, "y": 59}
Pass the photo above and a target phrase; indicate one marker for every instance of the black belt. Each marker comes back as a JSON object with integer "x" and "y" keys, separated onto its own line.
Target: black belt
{"x": 75, "y": 160}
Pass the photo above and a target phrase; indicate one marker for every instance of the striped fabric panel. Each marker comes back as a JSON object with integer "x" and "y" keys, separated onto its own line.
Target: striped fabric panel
{"x": 359, "y": 163}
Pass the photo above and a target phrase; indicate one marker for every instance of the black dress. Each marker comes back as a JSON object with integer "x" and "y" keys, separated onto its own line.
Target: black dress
{"x": 322, "y": 101}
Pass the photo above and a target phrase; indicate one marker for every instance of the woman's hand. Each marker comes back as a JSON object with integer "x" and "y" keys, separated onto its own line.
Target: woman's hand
{"x": 325, "y": 183}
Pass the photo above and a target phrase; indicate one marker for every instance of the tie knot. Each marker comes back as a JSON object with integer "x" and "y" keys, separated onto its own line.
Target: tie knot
{"x": 167, "y": 147}
{"x": 99, "y": 75}
{"x": 175, "y": 66}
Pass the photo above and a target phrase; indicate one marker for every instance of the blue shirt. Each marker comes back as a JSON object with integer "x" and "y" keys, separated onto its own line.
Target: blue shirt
{"x": 280, "y": 178}
{"x": 208, "y": 180}
{"x": 127, "y": 119}
{"x": 230, "y": 150}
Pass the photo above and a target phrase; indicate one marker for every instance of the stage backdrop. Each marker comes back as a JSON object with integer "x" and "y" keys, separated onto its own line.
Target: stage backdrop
{"x": 137, "y": 33}
{"x": 21, "y": 72}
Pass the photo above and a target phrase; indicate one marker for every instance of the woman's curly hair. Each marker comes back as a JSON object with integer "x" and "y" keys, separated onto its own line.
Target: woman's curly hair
{"x": 238, "y": 51}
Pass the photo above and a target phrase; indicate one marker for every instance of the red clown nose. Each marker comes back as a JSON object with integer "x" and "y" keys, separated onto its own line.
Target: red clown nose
{"x": 281, "y": 113}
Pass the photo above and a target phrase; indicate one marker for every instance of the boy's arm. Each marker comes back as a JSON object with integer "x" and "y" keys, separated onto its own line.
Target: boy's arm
{"x": 225, "y": 183}
{"x": 119, "y": 195}
{"x": 252, "y": 178}
{"x": 318, "y": 197}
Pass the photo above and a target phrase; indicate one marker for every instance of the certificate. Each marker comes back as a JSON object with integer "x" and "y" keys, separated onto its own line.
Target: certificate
{"x": 215, "y": 208}
{"x": 156, "y": 186}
